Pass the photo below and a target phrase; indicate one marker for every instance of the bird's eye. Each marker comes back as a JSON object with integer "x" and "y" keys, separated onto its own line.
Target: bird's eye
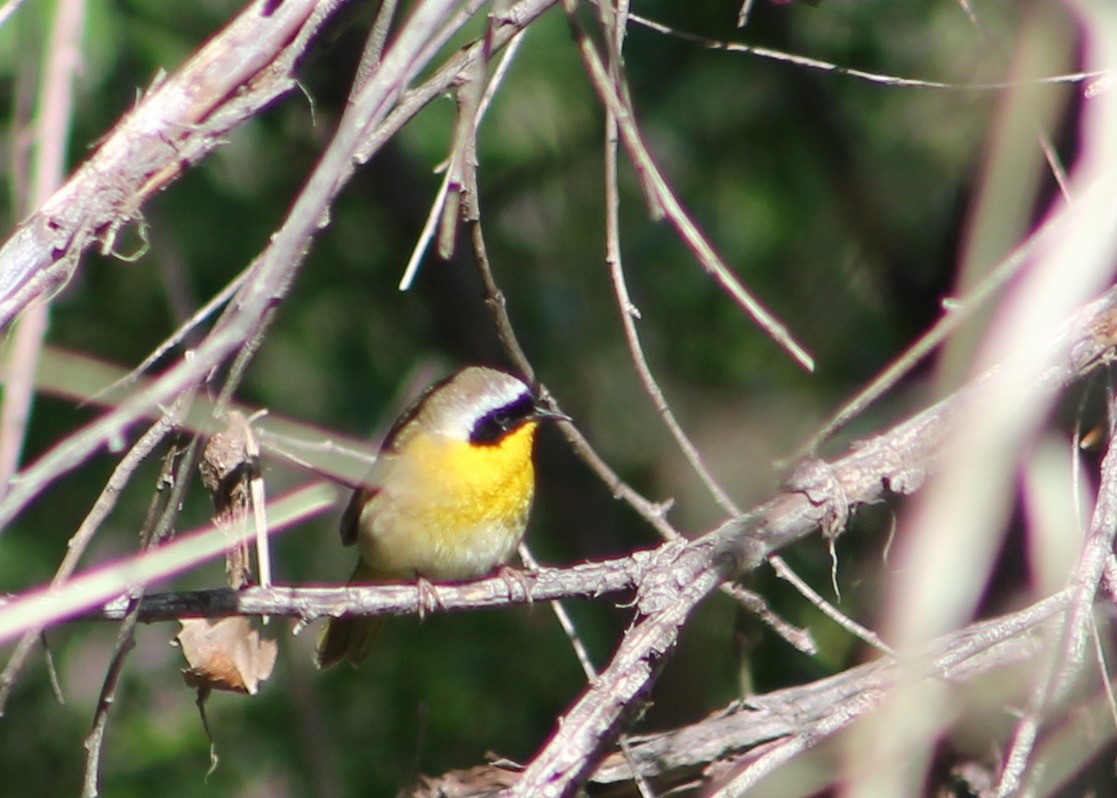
{"x": 493, "y": 426}
{"x": 487, "y": 431}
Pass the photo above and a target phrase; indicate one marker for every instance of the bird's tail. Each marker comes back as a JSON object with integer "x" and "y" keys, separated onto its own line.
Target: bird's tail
{"x": 350, "y": 637}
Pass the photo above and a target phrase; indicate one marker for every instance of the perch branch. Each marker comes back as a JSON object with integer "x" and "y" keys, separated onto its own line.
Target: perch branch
{"x": 893, "y": 462}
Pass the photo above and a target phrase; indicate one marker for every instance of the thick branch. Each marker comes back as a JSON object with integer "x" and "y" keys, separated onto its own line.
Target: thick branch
{"x": 671, "y": 758}
{"x": 821, "y": 495}
{"x": 236, "y": 75}
{"x": 272, "y": 272}
{"x": 240, "y": 71}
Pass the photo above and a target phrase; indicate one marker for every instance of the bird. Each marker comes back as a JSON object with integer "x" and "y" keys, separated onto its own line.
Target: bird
{"x": 447, "y": 498}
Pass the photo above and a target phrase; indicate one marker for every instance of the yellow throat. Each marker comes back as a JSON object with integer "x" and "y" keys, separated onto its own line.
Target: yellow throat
{"x": 450, "y": 509}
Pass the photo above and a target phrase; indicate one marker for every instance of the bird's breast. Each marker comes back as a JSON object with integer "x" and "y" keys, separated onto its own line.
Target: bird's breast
{"x": 448, "y": 509}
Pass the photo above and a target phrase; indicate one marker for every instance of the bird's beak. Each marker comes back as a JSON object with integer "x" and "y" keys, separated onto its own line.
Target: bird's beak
{"x": 546, "y": 414}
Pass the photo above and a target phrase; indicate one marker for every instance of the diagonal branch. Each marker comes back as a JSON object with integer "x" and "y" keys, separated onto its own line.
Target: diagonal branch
{"x": 179, "y": 122}
{"x": 272, "y": 272}
{"x": 820, "y": 495}
{"x": 746, "y": 739}
{"x": 666, "y": 203}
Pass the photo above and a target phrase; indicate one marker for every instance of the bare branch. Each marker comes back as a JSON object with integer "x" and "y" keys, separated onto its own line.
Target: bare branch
{"x": 749, "y": 739}
{"x": 273, "y": 271}
{"x": 180, "y": 121}
{"x": 588, "y": 580}
{"x": 871, "y": 77}
{"x": 956, "y": 313}
{"x": 161, "y": 512}
{"x": 668, "y": 204}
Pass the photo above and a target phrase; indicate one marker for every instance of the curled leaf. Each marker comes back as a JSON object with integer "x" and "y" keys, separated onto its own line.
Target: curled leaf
{"x": 225, "y": 655}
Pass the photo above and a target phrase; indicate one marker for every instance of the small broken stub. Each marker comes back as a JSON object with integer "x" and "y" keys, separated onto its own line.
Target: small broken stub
{"x": 229, "y": 464}
{"x": 817, "y": 480}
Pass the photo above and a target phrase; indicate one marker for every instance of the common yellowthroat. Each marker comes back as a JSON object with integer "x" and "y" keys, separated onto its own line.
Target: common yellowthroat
{"x": 448, "y": 497}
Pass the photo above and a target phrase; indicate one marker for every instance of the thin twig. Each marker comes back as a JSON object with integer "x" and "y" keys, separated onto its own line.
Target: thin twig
{"x": 160, "y": 509}
{"x": 1058, "y": 171}
{"x": 439, "y": 202}
{"x": 665, "y": 200}
{"x": 94, "y": 741}
{"x": 743, "y": 14}
{"x": 1103, "y": 670}
{"x": 958, "y": 311}
{"x": 515, "y": 19}
{"x": 654, "y": 514}
{"x": 872, "y": 77}
{"x": 784, "y": 571}
{"x": 800, "y": 639}
{"x": 177, "y": 337}
{"x": 564, "y": 620}
{"x": 374, "y": 46}
{"x": 178, "y": 467}
{"x": 629, "y": 313}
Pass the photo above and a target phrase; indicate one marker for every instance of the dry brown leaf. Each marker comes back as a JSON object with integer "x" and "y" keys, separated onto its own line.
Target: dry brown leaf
{"x": 226, "y": 655}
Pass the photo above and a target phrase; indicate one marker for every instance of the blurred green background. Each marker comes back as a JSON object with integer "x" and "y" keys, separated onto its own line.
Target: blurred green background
{"x": 841, "y": 203}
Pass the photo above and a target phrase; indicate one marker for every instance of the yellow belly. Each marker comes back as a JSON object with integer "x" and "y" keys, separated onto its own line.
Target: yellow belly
{"x": 449, "y": 510}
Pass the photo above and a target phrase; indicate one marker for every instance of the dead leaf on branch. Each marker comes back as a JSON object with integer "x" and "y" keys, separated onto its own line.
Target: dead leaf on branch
{"x": 227, "y": 655}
